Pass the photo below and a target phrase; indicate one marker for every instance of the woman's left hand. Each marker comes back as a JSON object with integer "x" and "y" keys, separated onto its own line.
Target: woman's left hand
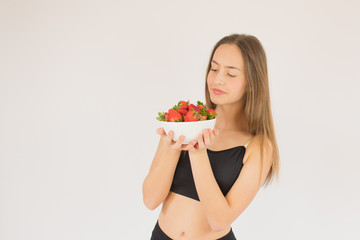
{"x": 204, "y": 140}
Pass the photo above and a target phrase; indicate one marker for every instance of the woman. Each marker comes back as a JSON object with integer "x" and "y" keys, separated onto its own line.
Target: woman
{"x": 206, "y": 184}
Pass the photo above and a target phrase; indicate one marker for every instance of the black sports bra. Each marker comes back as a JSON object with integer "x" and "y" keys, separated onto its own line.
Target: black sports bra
{"x": 226, "y": 166}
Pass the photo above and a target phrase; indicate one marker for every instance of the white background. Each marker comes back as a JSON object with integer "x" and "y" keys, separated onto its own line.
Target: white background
{"x": 81, "y": 83}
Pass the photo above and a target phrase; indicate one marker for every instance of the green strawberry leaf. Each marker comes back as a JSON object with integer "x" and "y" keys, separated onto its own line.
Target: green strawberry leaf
{"x": 199, "y": 103}
{"x": 203, "y": 112}
{"x": 161, "y": 117}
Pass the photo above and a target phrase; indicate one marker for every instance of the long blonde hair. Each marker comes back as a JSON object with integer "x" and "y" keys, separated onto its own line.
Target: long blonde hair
{"x": 257, "y": 108}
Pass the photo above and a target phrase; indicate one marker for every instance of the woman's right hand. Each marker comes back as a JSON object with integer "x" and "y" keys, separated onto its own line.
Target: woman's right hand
{"x": 168, "y": 140}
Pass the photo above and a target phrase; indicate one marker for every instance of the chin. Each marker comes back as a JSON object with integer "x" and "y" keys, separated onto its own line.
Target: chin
{"x": 217, "y": 101}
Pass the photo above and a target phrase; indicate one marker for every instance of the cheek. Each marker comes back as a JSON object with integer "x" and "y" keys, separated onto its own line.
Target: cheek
{"x": 240, "y": 87}
{"x": 209, "y": 80}
{"x": 237, "y": 84}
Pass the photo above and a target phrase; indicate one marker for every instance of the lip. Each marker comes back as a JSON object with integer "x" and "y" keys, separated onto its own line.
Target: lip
{"x": 218, "y": 91}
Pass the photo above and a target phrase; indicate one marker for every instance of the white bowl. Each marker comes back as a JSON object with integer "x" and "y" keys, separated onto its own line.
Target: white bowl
{"x": 189, "y": 129}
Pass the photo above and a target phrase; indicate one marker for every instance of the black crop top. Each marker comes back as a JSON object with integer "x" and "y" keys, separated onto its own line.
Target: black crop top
{"x": 226, "y": 166}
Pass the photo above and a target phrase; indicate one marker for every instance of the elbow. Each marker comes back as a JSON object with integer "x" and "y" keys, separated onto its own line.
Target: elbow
{"x": 151, "y": 205}
{"x": 150, "y": 201}
{"x": 219, "y": 222}
{"x": 218, "y": 228}
{"x": 218, "y": 225}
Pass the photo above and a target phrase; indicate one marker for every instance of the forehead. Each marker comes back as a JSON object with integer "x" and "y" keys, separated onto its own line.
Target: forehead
{"x": 229, "y": 55}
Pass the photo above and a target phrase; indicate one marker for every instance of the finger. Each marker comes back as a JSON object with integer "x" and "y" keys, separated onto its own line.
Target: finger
{"x": 160, "y": 131}
{"x": 191, "y": 145}
{"x": 179, "y": 142}
{"x": 170, "y": 135}
{"x": 206, "y": 136}
{"x": 211, "y": 134}
{"x": 200, "y": 141}
{"x": 212, "y": 137}
{"x": 215, "y": 131}
{"x": 168, "y": 138}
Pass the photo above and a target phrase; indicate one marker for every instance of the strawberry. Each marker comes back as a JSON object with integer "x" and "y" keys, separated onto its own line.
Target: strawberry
{"x": 186, "y": 112}
{"x": 191, "y": 116}
{"x": 192, "y": 106}
{"x": 200, "y": 105}
{"x": 182, "y": 111}
{"x": 203, "y": 117}
{"x": 174, "y": 116}
{"x": 211, "y": 113}
{"x": 183, "y": 104}
{"x": 182, "y": 108}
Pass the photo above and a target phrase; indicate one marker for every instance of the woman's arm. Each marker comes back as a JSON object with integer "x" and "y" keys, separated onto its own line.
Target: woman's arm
{"x": 157, "y": 183}
{"x": 222, "y": 211}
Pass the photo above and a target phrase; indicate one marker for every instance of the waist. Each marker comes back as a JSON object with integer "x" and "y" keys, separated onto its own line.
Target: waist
{"x": 184, "y": 218}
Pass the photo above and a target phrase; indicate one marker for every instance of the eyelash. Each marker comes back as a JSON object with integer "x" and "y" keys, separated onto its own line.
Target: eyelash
{"x": 214, "y": 70}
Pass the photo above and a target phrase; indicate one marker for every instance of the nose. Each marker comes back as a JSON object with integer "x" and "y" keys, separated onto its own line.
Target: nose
{"x": 219, "y": 79}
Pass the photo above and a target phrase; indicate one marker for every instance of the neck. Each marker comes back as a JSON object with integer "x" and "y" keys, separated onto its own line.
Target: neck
{"x": 230, "y": 117}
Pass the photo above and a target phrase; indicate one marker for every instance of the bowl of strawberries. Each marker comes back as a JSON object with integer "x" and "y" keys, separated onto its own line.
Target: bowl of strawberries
{"x": 187, "y": 119}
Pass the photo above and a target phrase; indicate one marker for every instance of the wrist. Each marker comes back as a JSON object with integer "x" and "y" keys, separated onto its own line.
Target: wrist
{"x": 200, "y": 153}
{"x": 168, "y": 148}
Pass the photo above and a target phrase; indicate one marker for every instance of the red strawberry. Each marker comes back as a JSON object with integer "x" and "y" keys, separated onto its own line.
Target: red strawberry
{"x": 200, "y": 105}
{"x": 183, "y": 104}
{"x": 182, "y": 111}
{"x": 203, "y": 117}
{"x": 174, "y": 116}
{"x": 191, "y": 116}
{"x": 211, "y": 113}
{"x": 192, "y": 106}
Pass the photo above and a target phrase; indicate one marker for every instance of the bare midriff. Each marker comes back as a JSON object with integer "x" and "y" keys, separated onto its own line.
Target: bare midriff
{"x": 184, "y": 218}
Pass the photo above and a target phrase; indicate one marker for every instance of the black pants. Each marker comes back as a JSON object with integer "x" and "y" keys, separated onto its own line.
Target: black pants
{"x": 158, "y": 234}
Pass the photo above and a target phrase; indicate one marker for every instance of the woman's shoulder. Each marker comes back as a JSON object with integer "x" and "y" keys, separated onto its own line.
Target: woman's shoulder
{"x": 256, "y": 141}
{"x": 253, "y": 147}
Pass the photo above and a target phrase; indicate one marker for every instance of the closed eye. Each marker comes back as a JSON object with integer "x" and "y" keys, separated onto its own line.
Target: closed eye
{"x": 214, "y": 70}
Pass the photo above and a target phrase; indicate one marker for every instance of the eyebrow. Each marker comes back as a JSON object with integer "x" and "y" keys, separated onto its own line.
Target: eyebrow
{"x": 226, "y": 66}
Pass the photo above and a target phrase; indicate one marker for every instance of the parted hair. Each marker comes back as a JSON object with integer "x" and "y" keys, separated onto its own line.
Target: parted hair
{"x": 257, "y": 107}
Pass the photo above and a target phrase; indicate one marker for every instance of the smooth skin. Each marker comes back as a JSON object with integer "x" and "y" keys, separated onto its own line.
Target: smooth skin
{"x": 211, "y": 217}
